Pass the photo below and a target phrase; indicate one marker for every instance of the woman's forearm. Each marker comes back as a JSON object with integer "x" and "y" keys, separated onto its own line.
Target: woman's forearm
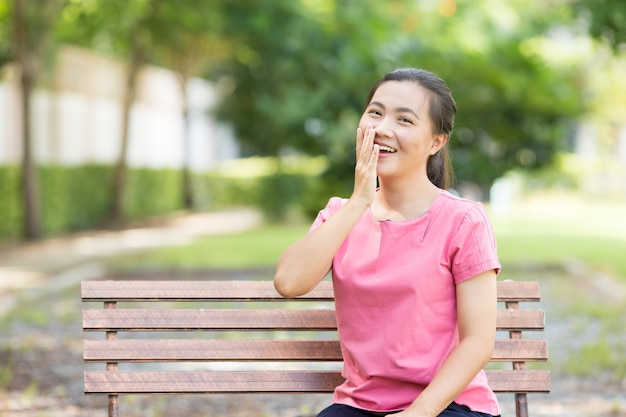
{"x": 457, "y": 372}
{"x": 305, "y": 263}
{"x": 477, "y": 325}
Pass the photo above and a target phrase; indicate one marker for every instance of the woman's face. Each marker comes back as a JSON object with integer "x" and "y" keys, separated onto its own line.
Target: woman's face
{"x": 399, "y": 114}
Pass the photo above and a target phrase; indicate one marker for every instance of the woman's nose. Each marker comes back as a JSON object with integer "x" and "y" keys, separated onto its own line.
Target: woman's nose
{"x": 383, "y": 127}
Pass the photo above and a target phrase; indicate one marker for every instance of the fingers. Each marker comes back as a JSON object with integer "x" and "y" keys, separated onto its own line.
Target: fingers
{"x": 365, "y": 143}
{"x": 374, "y": 157}
{"x": 366, "y": 163}
{"x": 359, "y": 138}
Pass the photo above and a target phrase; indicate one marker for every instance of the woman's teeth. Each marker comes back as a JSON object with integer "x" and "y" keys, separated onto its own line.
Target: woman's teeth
{"x": 387, "y": 149}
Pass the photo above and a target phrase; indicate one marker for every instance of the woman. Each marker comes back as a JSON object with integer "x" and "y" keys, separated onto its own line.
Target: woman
{"x": 414, "y": 267}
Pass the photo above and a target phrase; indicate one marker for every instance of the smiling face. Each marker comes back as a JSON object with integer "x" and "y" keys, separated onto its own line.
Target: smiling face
{"x": 399, "y": 113}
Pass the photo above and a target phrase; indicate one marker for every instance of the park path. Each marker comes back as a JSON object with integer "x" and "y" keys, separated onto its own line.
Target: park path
{"x": 63, "y": 261}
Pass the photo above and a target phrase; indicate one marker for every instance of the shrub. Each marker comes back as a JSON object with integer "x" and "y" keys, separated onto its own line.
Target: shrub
{"x": 11, "y": 218}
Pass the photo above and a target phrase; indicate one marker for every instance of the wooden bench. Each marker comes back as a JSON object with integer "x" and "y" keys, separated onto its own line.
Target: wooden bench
{"x": 230, "y": 316}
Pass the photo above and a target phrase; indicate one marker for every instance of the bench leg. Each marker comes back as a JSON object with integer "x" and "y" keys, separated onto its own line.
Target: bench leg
{"x": 114, "y": 406}
{"x": 521, "y": 405}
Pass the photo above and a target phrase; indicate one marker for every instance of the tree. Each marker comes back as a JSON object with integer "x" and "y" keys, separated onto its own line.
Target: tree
{"x": 515, "y": 109}
{"x": 121, "y": 27}
{"x": 188, "y": 41}
{"x": 139, "y": 44}
{"x": 606, "y": 20}
{"x": 181, "y": 35}
{"x": 5, "y": 33}
{"x": 33, "y": 23}
{"x": 312, "y": 62}
{"x": 296, "y": 66}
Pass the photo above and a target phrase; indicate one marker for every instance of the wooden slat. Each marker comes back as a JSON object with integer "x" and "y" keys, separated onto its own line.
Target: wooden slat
{"x": 270, "y": 382}
{"x": 512, "y": 291}
{"x": 193, "y": 291}
{"x": 245, "y": 290}
{"x": 160, "y": 350}
{"x": 519, "y": 381}
{"x": 210, "y": 350}
{"x": 220, "y": 319}
{"x": 513, "y": 319}
{"x": 248, "y": 319}
{"x": 521, "y": 350}
{"x": 198, "y": 382}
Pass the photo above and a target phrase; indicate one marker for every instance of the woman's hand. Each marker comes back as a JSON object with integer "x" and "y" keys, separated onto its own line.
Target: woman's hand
{"x": 305, "y": 263}
{"x": 366, "y": 162}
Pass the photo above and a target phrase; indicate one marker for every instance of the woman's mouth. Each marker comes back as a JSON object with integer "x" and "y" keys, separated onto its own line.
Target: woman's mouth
{"x": 387, "y": 149}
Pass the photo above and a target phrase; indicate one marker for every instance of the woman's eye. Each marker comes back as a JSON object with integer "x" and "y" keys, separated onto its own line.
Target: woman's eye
{"x": 375, "y": 112}
{"x": 405, "y": 120}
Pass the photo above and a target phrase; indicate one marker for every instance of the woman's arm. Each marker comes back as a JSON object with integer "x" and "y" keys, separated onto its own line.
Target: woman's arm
{"x": 476, "y": 310}
{"x": 305, "y": 263}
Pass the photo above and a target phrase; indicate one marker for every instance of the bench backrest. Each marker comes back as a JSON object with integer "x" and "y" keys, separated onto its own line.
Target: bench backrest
{"x": 249, "y": 323}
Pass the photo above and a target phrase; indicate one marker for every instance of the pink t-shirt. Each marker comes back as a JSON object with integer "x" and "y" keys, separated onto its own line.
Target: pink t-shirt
{"x": 394, "y": 284}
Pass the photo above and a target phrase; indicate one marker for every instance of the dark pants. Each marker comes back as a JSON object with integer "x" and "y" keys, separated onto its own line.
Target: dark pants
{"x": 340, "y": 410}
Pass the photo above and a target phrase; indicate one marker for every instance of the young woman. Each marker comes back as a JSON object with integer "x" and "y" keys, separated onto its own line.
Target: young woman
{"x": 414, "y": 267}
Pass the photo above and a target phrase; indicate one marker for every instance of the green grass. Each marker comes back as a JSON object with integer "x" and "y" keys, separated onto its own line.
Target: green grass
{"x": 256, "y": 248}
{"x": 561, "y": 235}
{"x": 604, "y": 254}
{"x": 597, "y": 356}
{"x": 547, "y": 234}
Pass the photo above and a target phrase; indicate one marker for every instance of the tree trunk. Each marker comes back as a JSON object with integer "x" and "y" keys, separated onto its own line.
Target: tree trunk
{"x": 188, "y": 199}
{"x": 30, "y": 188}
{"x": 119, "y": 180}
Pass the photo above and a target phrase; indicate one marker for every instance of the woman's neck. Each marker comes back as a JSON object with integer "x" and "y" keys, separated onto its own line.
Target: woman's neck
{"x": 395, "y": 202}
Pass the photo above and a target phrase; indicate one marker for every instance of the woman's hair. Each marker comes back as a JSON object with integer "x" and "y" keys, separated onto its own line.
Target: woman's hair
{"x": 442, "y": 109}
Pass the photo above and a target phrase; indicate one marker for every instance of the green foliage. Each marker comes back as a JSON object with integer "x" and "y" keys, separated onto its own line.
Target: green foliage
{"x": 299, "y": 81}
{"x": 80, "y": 197}
{"x": 11, "y": 212}
{"x": 279, "y": 192}
{"x": 284, "y": 191}
{"x": 296, "y": 75}
{"x": 110, "y": 26}
{"x": 74, "y": 198}
{"x": 153, "y": 192}
{"x": 293, "y": 74}
{"x": 281, "y": 197}
{"x": 606, "y": 20}
{"x": 5, "y": 30}
{"x": 218, "y": 192}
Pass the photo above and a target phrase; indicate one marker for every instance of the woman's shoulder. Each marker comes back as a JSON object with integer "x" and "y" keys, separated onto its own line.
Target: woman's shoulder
{"x": 333, "y": 204}
{"x": 337, "y": 201}
{"x": 457, "y": 206}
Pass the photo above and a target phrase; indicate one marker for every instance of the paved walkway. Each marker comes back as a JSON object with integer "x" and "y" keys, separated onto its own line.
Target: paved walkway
{"x": 66, "y": 260}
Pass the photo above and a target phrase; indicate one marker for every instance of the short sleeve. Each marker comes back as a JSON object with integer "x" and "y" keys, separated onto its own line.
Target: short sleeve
{"x": 473, "y": 249}
{"x": 334, "y": 204}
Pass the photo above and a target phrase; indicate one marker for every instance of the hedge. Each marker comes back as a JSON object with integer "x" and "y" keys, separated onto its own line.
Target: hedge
{"x": 81, "y": 198}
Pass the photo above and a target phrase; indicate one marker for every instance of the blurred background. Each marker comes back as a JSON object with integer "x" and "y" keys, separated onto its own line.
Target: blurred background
{"x": 115, "y": 113}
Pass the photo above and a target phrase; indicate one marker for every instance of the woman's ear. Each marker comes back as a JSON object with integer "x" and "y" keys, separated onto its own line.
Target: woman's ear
{"x": 439, "y": 142}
